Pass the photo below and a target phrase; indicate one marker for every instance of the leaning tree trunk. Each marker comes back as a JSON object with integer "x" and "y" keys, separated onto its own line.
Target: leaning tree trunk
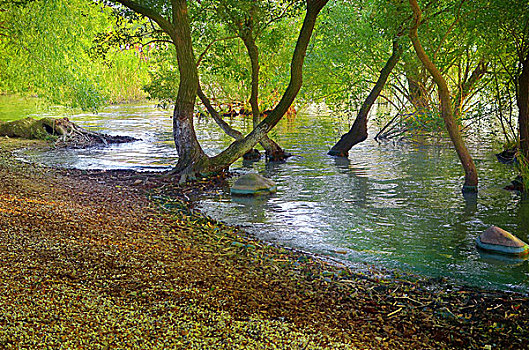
{"x": 523, "y": 108}
{"x": 471, "y": 176}
{"x": 228, "y": 130}
{"x": 240, "y": 147}
{"x": 358, "y": 132}
{"x": 274, "y": 152}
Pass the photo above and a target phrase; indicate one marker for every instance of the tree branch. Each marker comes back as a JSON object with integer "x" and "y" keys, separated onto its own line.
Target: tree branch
{"x": 150, "y": 13}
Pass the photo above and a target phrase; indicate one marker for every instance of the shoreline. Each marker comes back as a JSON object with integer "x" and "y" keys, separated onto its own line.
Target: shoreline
{"x": 123, "y": 246}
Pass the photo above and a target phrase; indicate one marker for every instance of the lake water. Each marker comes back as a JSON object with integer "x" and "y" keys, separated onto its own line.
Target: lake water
{"x": 392, "y": 205}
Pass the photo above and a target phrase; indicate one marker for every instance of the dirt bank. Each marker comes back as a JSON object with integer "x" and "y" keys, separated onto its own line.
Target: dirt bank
{"x": 119, "y": 260}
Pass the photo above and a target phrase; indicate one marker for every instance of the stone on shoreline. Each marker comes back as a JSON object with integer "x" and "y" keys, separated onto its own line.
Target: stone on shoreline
{"x": 253, "y": 184}
{"x": 497, "y": 240}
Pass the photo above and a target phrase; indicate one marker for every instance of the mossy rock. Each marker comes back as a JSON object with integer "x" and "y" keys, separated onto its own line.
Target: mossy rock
{"x": 253, "y": 184}
{"x": 29, "y": 128}
{"x": 61, "y": 130}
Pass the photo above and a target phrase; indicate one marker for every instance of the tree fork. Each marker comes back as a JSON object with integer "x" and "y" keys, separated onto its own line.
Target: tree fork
{"x": 471, "y": 176}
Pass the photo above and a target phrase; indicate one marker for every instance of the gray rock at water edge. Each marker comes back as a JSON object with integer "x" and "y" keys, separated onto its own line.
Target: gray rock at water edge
{"x": 253, "y": 184}
{"x": 497, "y": 240}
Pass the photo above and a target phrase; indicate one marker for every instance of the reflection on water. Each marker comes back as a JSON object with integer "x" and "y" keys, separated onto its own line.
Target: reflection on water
{"x": 398, "y": 206}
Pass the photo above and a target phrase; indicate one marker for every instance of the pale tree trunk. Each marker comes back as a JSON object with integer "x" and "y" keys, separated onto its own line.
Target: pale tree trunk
{"x": 358, "y": 132}
{"x": 471, "y": 176}
{"x": 187, "y": 145}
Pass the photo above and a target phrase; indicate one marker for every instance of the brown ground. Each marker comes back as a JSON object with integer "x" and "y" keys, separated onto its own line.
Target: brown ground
{"x": 100, "y": 260}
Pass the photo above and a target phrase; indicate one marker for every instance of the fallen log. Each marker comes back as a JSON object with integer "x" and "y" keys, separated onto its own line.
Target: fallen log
{"x": 61, "y": 131}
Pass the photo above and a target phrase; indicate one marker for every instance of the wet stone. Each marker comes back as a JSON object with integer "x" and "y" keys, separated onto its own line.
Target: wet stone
{"x": 497, "y": 240}
{"x": 253, "y": 184}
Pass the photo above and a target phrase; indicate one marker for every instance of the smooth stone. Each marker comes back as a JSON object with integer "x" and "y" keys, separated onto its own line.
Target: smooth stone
{"x": 497, "y": 240}
{"x": 253, "y": 184}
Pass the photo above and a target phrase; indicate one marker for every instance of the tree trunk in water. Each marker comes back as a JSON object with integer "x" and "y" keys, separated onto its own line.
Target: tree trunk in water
{"x": 471, "y": 176}
{"x": 273, "y": 151}
{"x": 240, "y": 147}
{"x": 358, "y": 132}
{"x": 523, "y": 108}
{"x": 189, "y": 150}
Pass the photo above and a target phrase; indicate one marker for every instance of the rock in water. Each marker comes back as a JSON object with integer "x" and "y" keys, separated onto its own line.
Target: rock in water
{"x": 497, "y": 240}
{"x": 253, "y": 184}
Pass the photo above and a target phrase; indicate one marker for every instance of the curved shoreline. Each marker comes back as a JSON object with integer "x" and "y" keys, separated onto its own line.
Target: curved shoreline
{"x": 120, "y": 259}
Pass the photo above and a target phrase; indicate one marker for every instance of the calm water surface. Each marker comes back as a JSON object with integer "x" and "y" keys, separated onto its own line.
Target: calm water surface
{"x": 397, "y": 206}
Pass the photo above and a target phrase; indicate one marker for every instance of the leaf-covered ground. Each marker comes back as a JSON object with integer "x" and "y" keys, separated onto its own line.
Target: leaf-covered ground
{"x": 118, "y": 260}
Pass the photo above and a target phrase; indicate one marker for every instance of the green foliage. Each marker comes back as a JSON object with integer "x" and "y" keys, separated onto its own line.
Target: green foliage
{"x": 225, "y": 69}
{"x": 48, "y": 50}
{"x": 164, "y": 76}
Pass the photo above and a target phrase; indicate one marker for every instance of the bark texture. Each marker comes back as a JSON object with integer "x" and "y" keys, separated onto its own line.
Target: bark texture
{"x": 471, "y": 176}
{"x": 189, "y": 150}
{"x": 358, "y": 132}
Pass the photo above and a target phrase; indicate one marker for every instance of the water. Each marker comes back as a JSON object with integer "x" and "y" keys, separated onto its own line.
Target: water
{"x": 392, "y": 205}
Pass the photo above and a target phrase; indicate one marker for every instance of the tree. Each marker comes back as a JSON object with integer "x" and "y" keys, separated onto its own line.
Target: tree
{"x": 471, "y": 177}
{"x": 247, "y": 20}
{"x": 358, "y": 132}
{"x": 173, "y": 18}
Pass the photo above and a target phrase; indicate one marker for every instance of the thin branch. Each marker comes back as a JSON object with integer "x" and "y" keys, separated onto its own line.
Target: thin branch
{"x": 274, "y": 19}
{"x": 210, "y": 45}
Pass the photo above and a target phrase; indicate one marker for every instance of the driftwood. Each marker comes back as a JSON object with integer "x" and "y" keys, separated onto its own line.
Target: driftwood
{"x": 61, "y": 131}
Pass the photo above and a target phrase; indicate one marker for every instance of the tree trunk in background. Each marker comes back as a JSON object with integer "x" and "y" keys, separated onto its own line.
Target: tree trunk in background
{"x": 358, "y": 132}
{"x": 523, "y": 108}
{"x": 273, "y": 151}
{"x": 417, "y": 94}
{"x": 238, "y": 148}
{"x": 467, "y": 87}
{"x": 471, "y": 176}
{"x": 189, "y": 150}
{"x": 192, "y": 159}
